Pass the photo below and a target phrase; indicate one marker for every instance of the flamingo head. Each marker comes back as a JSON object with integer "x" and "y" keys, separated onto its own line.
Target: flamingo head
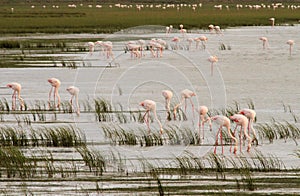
{"x": 9, "y": 85}
{"x": 142, "y": 104}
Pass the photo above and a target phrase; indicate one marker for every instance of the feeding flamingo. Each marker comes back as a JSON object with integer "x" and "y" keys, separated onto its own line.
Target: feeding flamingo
{"x": 55, "y": 84}
{"x": 212, "y": 59}
{"x": 250, "y": 114}
{"x": 91, "y": 46}
{"x": 203, "y": 39}
{"x": 203, "y": 118}
{"x": 265, "y": 42}
{"x": 74, "y": 91}
{"x": 223, "y": 121}
{"x": 16, "y": 87}
{"x": 150, "y": 106}
{"x": 185, "y": 94}
{"x": 242, "y": 121}
{"x": 176, "y": 40}
{"x": 290, "y": 43}
{"x": 168, "y": 96}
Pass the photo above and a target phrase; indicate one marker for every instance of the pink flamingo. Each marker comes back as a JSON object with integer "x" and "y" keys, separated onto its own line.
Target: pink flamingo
{"x": 250, "y": 114}
{"x": 272, "y": 21}
{"x": 218, "y": 29}
{"x": 242, "y": 121}
{"x": 108, "y": 47}
{"x": 142, "y": 43}
{"x": 168, "y": 96}
{"x": 176, "y": 40}
{"x": 150, "y": 105}
{"x": 134, "y": 50}
{"x": 74, "y": 91}
{"x": 212, "y": 59}
{"x": 55, "y": 83}
{"x": 290, "y": 43}
{"x": 203, "y": 39}
{"x": 265, "y": 42}
{"x": 203, "y": 118}
{"x": 223, "y": 121}
{"x": 16, "y": 87}
{"x": 190, "y": 41}
{"x": 91, "y": 46}
{"x": 100, "y": 43}
{"x": 211, "y": 28}
{"x": 154, "y": 44}
{"x": 185, "y": 94}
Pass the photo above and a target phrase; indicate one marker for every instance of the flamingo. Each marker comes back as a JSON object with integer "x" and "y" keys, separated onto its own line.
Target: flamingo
{"x": 134, "y": 49}
{"x": 142, "y": 44}
{"x": 242, "y": 121}
{"x": 291, "y": 43}
{"x": 265, "y": 42}
{"x": 272, "y": 21}
{"x": 91, "y": 46}
{"x": 250, "y": 114}
{"x": 150, "y": 106}
{"x": 211, "y": 28}
{"x": 108, "y": 47}
{"x": 155, "y": 44}
{"x": 55, "y": 83}
{"x": 16, "y": 87}
{"x": 176, "y": 40}
{"x": 74, "y": 91}
{"x": 102, "y": 48}
{"x": 203, "y": 39}
{"x": 203, "y": 118}
{"x": 212, "y": 59}
{"x": 223, "y": 121}
{"x": 190, "y": 41}
{"x": 185, "y": 94}
{"x": 168, "y": 96}
{"x": 218, "y": 29}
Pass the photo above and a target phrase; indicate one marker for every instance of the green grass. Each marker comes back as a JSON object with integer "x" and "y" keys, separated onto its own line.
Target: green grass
{"x": 24, "y": 19}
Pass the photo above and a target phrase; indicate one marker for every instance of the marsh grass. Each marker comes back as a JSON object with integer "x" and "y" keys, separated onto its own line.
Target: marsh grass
{"x": 56, "y": 136}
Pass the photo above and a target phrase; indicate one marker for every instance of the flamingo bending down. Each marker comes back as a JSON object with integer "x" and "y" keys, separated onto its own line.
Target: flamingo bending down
{"x": 102, "y": 48}
{"x": 212, "y": 59}
{"x": 108, "y": 48}
{"x": 203, "y": 118}
{"x": 168, "y": 96}
{"x": 154, "y": 44}
{"x": 242, "y": 121}
{"x": 55, "y": 83}
{"x": 91, "y": 46}
{"x": 176, "y": 40}
{"x": 74, "y": 91}
{"x": 203, "y": 39}
{"x": 149, "y": 106}
{"x": 265, "y": 42}
{"x": 223, "y": 121}
{"x": 134, "y": 50}
{"x": 250, "y": 114}
{"x": 16, "y": 87}
{"x": 291, "y": 43}
{"x": 185, "y": 94}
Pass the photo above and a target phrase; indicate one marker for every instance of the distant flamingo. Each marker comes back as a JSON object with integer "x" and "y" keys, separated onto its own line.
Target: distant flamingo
{"x": 91, "y": 46}
{"x": 272, "y": 21}
{"x": 265, "y": 42}
{"x": 218, "y": 30}
{"x": 74, "y": 91}
{"x": 291, "y": 43}
{"x": 223, "y": 121}
{"x": 134, "y": 49}
{"x": 150, "y": 106}
{"x": 185, "y": 94}
{"x": 108, "y": 47}
{"x": 55, "y": 83}
{"x": 250, "y": 114}
{"x": 176, "y": 40}
{"x": 154, "y": 44}
{"x": 203, "y": 118}
{"x": 203, "y": 39}
{"x": 102, "y": 48}
{"x": 211, "y": 28}
{"x": 168, "y": 96}
{"x": 142, "y": 43}
{"x": 16, "y": 87}
{"x": 212, "y": 59}
{"x": 242, "y": 121}
{"x": 190, "y": 41}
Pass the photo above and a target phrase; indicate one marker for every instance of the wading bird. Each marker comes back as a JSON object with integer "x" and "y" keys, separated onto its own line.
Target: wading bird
{"x": 185, "y": 94}
{"x": 265, "y": 42}
{"x": 150, "y": 106}
{"x": 250, "y": 114}
{"x": 168, "y": 96}
{"x": 223, "y": 121}
{"x": 212, "y": 59}
{"x": 290, "y": 43}
{"x": 16, "y": 87}
{"x": 55, "y": 84}
{"x": 203, "y": 118}
{"x": 242, "y": 121}
{"x": 74, "y": 91}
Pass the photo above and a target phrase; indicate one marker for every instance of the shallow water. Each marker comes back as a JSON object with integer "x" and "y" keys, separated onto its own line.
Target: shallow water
{"x": 245, "y": 71}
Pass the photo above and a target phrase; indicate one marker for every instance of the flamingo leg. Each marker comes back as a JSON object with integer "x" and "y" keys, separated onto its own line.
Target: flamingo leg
{"x": 50, "y": 92}
{"x": 192, "y": 107}
{"x": 217, "y": 138}
{"x": 233, "y": 136}
{"x": 221, "y": 138}
{"x": 13, "y": 106}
